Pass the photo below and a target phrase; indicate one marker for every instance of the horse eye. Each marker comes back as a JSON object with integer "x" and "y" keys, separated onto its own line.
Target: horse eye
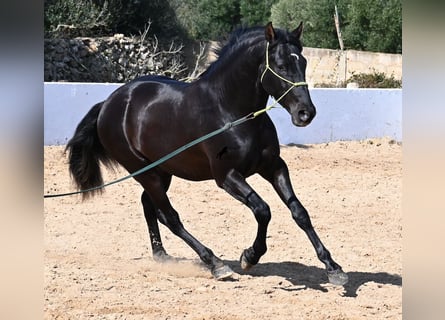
{"x": 281, "y": 67}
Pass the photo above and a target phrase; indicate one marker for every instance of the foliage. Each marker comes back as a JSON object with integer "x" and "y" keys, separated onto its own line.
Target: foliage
{"x": 366, "y": 80}
{"x": 288, "y": 13}
{"x": 106, "y": 17}
{"x": 213, "y": 19}
{"x": 185, "y": 15}
{"x": 374, "y": 80}
{"x": 371, "y": 25}
{"x": 255, "y": 12}
{"x": 317, "y": 17}
{"x": 83, "y": 15}
{"x": 132, "y": 16}
{"x": 207, "y": 19}
{"x": 374, "y": 25}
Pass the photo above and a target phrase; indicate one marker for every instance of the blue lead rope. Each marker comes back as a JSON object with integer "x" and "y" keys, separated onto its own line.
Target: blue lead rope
{"x": 227, "y": 126}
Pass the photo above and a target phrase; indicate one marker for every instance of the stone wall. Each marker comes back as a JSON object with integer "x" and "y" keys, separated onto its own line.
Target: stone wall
{"x": 334, "y": 67}
{"x": 111, "y": 59}
{"x": 326, "y": 66}
{"x": 120, "y": 59}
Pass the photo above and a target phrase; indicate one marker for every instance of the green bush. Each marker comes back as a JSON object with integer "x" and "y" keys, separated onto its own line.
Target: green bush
{"x": 75, "y": 17}
{"x": 95, "y": 18}
{"x": 366, "y": 80}
{"x": 374, "y": 80}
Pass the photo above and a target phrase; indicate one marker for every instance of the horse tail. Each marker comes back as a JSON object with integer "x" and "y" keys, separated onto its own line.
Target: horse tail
{"x": 85, "y": 152}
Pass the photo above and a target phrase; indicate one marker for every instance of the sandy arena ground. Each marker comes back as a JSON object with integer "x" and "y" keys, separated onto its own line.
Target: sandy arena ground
{"x": 98, "y": 262}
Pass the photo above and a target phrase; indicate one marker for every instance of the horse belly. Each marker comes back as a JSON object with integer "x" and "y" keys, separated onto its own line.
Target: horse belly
{"x": 191, "y": 164}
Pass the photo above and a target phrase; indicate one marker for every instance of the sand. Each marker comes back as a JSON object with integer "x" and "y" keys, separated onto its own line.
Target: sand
{"x": 98, "y": 262}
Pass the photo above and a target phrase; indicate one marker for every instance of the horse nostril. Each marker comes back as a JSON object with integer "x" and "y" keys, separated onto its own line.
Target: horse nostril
{"x": 304, "y": 115}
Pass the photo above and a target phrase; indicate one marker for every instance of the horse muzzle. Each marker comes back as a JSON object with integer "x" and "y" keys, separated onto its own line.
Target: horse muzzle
{"x": 303, "y": 116}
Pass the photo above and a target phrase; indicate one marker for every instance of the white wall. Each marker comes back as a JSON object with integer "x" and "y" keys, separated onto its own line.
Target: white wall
{"x": 345, "y": 114}
{"x": 342, "y": 114}
{"x": 66, "y": 104}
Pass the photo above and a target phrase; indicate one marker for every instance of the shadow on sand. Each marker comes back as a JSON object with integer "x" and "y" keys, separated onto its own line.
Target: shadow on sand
{"x": 304, "y": 277}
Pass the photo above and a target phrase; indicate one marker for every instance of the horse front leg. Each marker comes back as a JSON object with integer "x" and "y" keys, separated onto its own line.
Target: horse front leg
{"x": 278, "y": 176}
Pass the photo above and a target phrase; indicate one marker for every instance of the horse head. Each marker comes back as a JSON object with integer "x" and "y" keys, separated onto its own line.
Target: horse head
{"x": 283, "y": 73}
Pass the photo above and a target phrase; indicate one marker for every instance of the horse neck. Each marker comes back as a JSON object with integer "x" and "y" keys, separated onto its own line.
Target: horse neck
{"x": 237, "y": 80}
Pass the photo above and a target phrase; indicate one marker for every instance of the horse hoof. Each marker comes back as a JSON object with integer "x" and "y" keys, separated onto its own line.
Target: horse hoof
{"x": 338, "y": 277}
{"x": 222, "y": 272}
{"x": 163, "y": 257}
{"x": 245, "y": 265}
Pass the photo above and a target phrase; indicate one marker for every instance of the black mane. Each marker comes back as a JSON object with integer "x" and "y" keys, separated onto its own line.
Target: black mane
{"x": 243, "y": 40}
{"x": 238, "y": 39}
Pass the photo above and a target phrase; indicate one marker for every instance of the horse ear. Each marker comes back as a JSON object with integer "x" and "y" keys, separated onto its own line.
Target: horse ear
{"x": 269, "y": 32}
{"x": 298, "y": 31}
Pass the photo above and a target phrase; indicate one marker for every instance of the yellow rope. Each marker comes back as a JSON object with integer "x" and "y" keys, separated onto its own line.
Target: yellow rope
{"x": 293, "y": 84}
{"x": 268, "y": 68}
{"x": 194, "y": 142}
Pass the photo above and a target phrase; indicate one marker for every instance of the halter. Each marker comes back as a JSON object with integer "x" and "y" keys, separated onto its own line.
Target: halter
{"x": 268, "y": 68}
{"x": 293, "y": 84}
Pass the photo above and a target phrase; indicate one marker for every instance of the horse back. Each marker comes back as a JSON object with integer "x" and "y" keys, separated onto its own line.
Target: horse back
{"x": 154, "y": 115}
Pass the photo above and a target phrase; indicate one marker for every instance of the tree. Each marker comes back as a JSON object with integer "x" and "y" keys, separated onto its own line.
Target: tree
{"x": 207, "y": 19}
{"x": 256, "y": 12}
{"x": 220, "y": 17}
{"x": 320, "y": 31}
{"x": 106, "y": 17}
{"x": 132, "y": 17}
{"x": 317, "y": 16}
{"x": 84, "y": 16}
{"x": 288, "y": 14}
{"x": 374, "y": 25}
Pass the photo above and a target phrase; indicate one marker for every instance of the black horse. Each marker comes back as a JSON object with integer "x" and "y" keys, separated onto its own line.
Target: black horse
{"x": 151, "y": 116}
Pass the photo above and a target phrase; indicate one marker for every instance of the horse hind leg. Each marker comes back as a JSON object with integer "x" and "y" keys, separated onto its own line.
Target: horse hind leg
{"x": 168, "y": 216}
{"x": 236, "y": 185}
{"x": 150, "y": 213}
